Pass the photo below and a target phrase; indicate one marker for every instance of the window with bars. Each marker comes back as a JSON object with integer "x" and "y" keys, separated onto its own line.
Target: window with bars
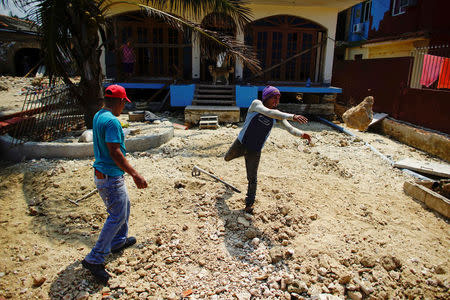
{"x": 399, "y": 7}
{"x": 365, "y": 15}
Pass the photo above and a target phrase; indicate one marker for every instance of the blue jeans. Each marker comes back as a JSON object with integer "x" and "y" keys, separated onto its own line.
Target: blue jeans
{"x": 115, "y": 230}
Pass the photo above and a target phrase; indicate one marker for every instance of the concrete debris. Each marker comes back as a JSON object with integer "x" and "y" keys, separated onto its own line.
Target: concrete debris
{"x": 360, "y": 116}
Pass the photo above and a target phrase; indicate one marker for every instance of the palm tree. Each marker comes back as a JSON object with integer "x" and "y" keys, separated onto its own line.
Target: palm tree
{"x": 71, "y": 31}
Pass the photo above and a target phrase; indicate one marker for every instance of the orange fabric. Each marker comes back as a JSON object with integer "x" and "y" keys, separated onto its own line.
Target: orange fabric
{"x": 444, "y": 75}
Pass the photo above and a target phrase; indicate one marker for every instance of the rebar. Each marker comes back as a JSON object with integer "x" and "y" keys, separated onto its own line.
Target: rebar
{"x": 48, "y": 112}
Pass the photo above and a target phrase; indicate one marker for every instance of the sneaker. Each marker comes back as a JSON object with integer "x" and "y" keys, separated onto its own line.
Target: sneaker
{"x": 97, "y": 270}
{"x": 129, "y": 242}
{"x": 249, "y": 210}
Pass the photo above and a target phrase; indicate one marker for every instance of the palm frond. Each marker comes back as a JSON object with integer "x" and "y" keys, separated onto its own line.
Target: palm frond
{"x": 214, "y": 42}
{"x": 237, "y": 9}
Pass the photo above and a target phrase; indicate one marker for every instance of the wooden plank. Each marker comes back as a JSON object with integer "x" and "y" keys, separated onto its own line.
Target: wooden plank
{"x": 29, "y": 112}
{"x": 377, "y": 117}
{"x": 209, "y": 118}
{"x": 442, "y": 170}
{"x": 430, "y": 198}
{"x": 208, "y": 122}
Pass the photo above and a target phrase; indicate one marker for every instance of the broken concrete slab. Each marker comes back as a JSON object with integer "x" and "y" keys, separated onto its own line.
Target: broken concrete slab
{"x": 378, "y": 117}
{"x": 433, "y": 168}
{"x": 428, "y": 141}
{"x": 430, "y": 198}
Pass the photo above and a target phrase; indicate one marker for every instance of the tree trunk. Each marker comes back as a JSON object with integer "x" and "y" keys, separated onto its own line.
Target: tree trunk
{"x": 87, "y": 55}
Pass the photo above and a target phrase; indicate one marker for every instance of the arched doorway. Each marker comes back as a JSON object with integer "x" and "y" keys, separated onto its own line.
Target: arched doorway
{"x": 218, "y": 22}
{"x": 278, "y": 38}
{"x": 25, "y": 59}
{"x": 162, "y": 52}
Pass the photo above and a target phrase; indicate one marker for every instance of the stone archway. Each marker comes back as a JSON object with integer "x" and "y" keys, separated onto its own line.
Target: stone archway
{"x": 276, "y": 38}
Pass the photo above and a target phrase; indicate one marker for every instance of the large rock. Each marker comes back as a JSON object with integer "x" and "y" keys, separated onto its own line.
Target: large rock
{"x": 86, "y": 137}
{"x": 360, "y": 116}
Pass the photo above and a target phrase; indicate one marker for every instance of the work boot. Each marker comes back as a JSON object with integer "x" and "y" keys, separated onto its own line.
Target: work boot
{"x": 131, "y": 240}
{"x": 249, "y": 210}
{"x": 97, "y": 270}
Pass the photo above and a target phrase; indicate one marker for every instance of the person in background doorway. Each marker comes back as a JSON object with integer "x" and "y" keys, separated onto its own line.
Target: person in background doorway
{"x": 128, "y": 56}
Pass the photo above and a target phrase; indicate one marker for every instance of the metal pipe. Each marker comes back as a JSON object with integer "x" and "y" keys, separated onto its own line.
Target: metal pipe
{"x": 196, "y": 172}
{"x": 390, "y": 161}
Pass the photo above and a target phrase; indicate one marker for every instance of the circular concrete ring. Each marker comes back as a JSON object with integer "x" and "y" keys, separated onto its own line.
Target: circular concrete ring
{"x": 37, "y": 150}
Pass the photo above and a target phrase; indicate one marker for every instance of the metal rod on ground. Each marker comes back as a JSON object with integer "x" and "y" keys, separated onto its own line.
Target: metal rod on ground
{"x": 84, "y": 197}
{"x": 196, "y": 172}
{"x": 390, "y": 161}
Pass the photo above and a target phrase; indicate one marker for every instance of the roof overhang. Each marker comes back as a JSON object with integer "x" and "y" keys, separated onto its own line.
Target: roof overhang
{"x": 339, "y": 4}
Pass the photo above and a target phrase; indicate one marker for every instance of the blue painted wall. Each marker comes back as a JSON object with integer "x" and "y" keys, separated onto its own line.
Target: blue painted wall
{"x": 181, "y": 95}
{"x": 379, "y": 8}
{"x": 245, "y": 95}
{"x": 377, "y": 12}
{"x": 356, "y": 19}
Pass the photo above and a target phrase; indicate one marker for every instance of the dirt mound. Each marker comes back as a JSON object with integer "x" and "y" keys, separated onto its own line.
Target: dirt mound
{"x": 329, "y": 220}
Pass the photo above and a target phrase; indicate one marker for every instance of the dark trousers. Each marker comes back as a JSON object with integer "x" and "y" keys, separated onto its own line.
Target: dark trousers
{"x": 251, "y": 164}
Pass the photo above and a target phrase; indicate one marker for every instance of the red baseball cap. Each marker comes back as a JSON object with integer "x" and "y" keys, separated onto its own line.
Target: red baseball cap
{"x": 116, "y": 91}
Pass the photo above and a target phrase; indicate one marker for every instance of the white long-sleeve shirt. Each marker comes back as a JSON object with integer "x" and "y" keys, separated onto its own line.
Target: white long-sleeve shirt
{"x": 259, "y": 123}
{"x": 258, "y": 106}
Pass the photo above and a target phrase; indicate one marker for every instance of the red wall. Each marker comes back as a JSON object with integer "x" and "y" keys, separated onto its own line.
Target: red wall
{"x": 386, "y": 80}
{"x": 431, "y": 17}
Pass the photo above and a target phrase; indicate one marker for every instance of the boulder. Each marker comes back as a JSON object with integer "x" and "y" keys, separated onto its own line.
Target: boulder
{"x": 360, "y": 116}
{"x": 86, "y": 137}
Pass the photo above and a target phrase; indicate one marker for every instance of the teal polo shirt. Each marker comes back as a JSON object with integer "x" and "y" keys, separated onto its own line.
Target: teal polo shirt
{"x": 107, "y": 129}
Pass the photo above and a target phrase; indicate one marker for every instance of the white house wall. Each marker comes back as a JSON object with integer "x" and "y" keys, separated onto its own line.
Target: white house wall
{"x": 326, "y": 16}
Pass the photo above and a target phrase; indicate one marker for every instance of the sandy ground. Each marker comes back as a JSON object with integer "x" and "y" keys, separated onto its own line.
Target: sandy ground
{"x": 12, "y": 93}
{"x": 329, "y": 219}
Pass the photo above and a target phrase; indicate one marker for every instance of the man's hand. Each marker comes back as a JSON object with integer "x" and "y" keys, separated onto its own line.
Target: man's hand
{"x": 306, "y": 137}
{"x": 300, "y": 119}
{"x": 120, "y": 160}
{"x": 140, "y": 181}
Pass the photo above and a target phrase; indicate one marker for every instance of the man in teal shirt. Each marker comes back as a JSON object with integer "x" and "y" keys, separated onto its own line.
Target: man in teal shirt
{"x": 110, "y": 165}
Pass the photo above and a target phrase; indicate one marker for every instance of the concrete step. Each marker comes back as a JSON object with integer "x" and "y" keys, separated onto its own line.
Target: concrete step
{"x": 213, "y": 102}
{"x": 227, "y": 114}
{"x": 214, "y": 91}
{"x": 217, "y": 86}
{"x": 211, "y": 96}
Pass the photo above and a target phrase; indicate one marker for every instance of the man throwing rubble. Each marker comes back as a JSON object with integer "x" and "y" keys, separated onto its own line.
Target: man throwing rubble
{"x": 261, "y": 117}
{"x": 109, "y": 167}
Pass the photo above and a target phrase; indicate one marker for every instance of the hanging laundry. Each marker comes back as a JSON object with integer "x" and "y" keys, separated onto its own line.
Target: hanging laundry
{"x": 444, "y": 75}
{"x": 431, "y": 67}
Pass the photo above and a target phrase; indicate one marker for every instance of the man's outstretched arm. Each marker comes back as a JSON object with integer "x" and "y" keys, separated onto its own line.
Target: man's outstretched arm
{"x": 258, "y": 106}
{"x": 294, "y": 131}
